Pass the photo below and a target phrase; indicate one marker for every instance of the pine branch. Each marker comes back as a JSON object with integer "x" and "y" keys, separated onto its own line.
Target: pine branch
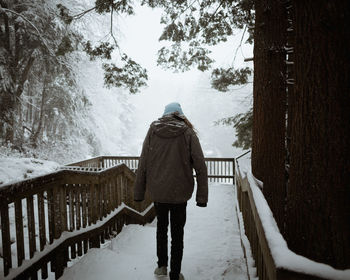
{"x": 31, "y": 24}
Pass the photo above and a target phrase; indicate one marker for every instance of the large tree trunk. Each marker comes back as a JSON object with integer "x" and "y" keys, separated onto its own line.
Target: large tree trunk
{"x": 269, "y": 110}
{"x": 318, "y": 199}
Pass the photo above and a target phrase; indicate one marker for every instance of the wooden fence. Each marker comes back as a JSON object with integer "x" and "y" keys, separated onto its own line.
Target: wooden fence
{"x": 219, "y": 169}
{"x": 254, "y": 230}
{"x": 54, "y": 218}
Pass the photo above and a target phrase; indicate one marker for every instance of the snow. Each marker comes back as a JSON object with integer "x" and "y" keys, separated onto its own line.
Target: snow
{"x": 283, "y": 257}
{"x": 212, "y": 246}
{"x": 16, "y": 169}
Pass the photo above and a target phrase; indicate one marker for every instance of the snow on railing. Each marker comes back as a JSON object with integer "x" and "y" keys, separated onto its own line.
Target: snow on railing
{"x": 273, "y": 259}
{"x": 51, "y": 219}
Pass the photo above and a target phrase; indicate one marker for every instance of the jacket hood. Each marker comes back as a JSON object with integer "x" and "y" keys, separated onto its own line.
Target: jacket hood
{"x": 169, "y": 127}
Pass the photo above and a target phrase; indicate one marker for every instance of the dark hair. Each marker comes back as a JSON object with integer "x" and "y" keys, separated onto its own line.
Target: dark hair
{"x": 185, "y": 120}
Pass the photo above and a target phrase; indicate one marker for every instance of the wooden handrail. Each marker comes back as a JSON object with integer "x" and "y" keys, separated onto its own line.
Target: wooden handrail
{"x": 254, "y": 230}
{"x": 66, "y": 213}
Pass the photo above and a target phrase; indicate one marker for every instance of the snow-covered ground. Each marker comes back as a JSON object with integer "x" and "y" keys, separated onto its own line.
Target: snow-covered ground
{"x": 212, "y": 246}
{"x": 16, "y": 169}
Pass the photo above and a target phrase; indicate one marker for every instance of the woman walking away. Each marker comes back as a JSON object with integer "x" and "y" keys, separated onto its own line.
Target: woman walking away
{"x": 170, "y": 152}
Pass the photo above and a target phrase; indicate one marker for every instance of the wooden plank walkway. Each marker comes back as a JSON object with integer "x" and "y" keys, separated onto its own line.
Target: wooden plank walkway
{"x": 212, "y": 246}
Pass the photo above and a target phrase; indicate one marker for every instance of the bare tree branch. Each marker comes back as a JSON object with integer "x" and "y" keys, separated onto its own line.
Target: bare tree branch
{"x": 78, "y": 16}
{"x": 113, "y": 37}
{"x": 240, "y": 44}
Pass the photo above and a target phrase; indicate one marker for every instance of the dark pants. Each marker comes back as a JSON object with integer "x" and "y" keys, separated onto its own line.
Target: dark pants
{"x": 177, "y": 223}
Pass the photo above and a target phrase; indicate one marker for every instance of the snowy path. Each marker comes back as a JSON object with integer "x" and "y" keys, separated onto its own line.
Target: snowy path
{"x": 212, "y": 248}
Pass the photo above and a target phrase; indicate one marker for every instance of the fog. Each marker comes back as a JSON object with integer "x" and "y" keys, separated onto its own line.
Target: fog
{"x": 122, "y": 120}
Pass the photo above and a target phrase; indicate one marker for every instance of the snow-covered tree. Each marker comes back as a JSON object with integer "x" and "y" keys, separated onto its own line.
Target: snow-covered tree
{"x": 40, "y": 100}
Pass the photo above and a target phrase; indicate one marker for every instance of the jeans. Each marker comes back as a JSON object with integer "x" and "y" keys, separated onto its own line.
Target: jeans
{"x": 177, "y": 223}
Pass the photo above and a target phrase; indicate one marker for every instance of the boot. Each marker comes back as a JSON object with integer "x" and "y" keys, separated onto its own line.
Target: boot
{"x": 161, "y": 271}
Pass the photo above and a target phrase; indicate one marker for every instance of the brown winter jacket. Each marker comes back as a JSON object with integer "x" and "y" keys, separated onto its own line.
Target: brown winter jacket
{"x": 170, "y": 152}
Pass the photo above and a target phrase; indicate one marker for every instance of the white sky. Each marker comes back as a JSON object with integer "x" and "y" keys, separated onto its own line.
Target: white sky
{"x": 138, "y": 37}
{"x": 202, "y": 104}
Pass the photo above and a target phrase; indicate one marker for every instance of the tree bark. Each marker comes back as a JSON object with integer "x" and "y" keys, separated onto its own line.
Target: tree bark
{"x": 318, "y": 198}
{"x": 269, "y": 109}
{"x": 35, "y": 136}
{"x": 6, "y": 38}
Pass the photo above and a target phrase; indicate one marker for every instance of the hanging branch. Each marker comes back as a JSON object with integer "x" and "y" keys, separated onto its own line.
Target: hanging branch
{"x": 111, "y": 31}
{"x": 240, "y": 44}
{"x": 113, "y": 37}
{"x": 78, "y": 16}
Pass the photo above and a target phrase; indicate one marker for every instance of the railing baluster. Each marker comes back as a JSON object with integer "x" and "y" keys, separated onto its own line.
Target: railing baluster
{"x": 103, "y": 204}
{"x": 51, "y": 215}
{"x": 63, "y": 207}
{"x": 104, "y": 199}
{"x": 119, "y": 184}
{"x": 221, "y": 169}
{"x": 31, "y": 226}
{"x": 99, "y": 200}
{"x": 94, "y": 203}
{"x": 108, "y": 196}
{"x": 84, "y": 212}
{"x": 225, "y": 174}
{"x": 6, "y": 239}
{"x": 71, "y": 208}
{"x": 89, "y": 190}
{"x": 95, "y": 241}
{"x": 78, "y": 206}
{"x": 42, "y": 231}
{"x": 114, "y": 193}
{"x": 78, "y": 215}
{"x": 83, "y": 205}
{"x": 19, "y": 231}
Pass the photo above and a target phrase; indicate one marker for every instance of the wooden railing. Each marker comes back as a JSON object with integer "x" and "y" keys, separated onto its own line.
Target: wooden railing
{"x": 219, "y": 169}
{"x": 254, "y": 230}
{"x": 49, "y": 220}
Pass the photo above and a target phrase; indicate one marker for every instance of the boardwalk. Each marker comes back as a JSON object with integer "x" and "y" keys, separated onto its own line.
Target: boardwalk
{"x": 212, "y": 246}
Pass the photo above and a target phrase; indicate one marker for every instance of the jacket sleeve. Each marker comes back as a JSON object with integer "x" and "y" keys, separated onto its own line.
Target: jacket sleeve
{"x": 201, "y": 170}
{"x": 140, "y": 182}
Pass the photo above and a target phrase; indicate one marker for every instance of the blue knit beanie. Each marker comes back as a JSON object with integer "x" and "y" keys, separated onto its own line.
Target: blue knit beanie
{"x": 172, "y": 108}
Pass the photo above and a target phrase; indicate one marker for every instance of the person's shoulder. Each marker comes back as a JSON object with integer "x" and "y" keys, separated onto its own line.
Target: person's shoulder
{"x": 189, "y": 131}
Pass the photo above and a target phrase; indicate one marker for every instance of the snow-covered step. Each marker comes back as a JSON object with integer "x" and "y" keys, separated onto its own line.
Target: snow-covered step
{"x": 212, "y": 246}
